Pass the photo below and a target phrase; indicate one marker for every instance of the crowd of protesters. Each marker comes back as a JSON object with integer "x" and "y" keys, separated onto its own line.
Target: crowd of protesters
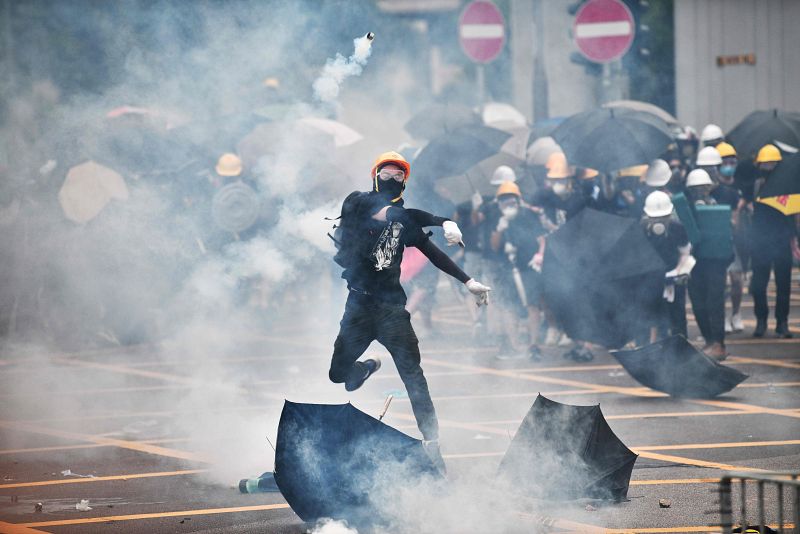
{"x": 506, "y": 236}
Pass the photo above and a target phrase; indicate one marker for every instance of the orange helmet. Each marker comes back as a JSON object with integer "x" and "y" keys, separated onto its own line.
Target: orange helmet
{"x": 391, "y": 157}
{"x": 508, "y": 188}
{"x": 557, "y": 166}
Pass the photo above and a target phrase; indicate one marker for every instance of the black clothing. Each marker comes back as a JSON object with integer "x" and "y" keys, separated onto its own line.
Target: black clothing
{"x": 668, "y": 243}
{"x": 442, "y": 261}
{"x": 367, "y": 319}
{"x": 771, "y": 250}
{"x": 707, "y": 291}
{"x": 413, "y": 217}
{"x": 470, "y": 232}
{"x": 552, "y": 204}
{"x": 375, "y": 248}
{"x": 523, "y": 232}
{"x": 727, "y": 196}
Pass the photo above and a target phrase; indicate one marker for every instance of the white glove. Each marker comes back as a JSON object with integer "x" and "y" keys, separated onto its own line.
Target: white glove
{"x": 480, "y": 291}
{"x": 452, "y": 233}
{"x": 536, "y": 262}
{"x": 502, "y": 224}
{"x": 477, "y": 201}
{"x": 509, "y": 248}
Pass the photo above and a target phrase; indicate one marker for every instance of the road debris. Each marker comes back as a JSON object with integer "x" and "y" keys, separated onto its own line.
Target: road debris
{"x": 590, "y": 508}
{"x": 69, "y": 473}
{"x": 664, "y": 503}
{"x": 83, "y": 506}
{"x": 38, "y": 507}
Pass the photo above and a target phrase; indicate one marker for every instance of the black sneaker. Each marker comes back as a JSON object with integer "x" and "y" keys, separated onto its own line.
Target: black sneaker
{"x": 761, "y": 328}
{"x": 370, "y": 367}
{"x": 782, "y": 329}
{"x": 435, "y": 454}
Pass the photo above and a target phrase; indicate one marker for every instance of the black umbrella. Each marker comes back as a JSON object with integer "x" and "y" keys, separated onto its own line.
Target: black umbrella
{"x": 567, "y": 452}
{"x": 609, "y": 139}
{"x": 763, "y": 127}
{"x": 336, "y": 461}
{"x": 438, "y": 119}
{"x": 782, "y": 188}
{"x": 456, "y": 152}
{"x": 675, "y": 367}
{"x": 601, "y": 278}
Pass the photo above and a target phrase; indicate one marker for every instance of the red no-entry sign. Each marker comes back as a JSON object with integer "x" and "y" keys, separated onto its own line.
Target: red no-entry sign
{"x": 604, "y": 30}
{"x": 481, "y": 31}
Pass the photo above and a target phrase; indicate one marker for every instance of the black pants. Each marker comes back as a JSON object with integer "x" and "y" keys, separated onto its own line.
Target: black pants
{"x": 367, "y": 319}
{"x": 707, "y": 291}
{"x": 677, "y": 312}
{"x": 764, "y": 260}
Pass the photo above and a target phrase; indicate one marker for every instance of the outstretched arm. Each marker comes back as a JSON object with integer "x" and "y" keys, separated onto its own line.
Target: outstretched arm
{"x": 442, "y": 261}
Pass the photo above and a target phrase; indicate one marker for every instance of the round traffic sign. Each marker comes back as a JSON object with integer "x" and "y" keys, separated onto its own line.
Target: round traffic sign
{"x": 603, "y": 30}
{"x": 481, "y": 31}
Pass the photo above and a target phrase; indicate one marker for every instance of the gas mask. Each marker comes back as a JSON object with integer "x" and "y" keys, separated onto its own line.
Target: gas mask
{"x": 509, "y": 212}
{"x": 560, "y": 188}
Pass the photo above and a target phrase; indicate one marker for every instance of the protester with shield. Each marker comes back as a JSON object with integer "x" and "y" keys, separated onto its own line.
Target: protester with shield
{"x": 372, "y": 233}
{"x": 519, "y": 235}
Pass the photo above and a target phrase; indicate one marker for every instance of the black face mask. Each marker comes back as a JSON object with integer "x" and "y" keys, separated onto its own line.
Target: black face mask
{"x": 390, "y": 188}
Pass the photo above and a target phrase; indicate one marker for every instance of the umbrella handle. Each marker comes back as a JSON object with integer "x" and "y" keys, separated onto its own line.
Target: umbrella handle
{"x": 385, "y": 407}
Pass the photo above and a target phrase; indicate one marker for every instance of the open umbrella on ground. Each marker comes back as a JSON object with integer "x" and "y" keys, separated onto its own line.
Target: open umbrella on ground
{"x": 675, "y": 367}
{"x": 609, "y": 139}
{"x": 782, "y": 188}
{"x": 87, "y": 189}
{"x": 762, "y": 127}
{"x": 602, "y": 278}
{"x": 438, "y": 119}
{"x": 338, "y": 462}
{"x": 567, "y": 452}
{"x": 638, "y": 105}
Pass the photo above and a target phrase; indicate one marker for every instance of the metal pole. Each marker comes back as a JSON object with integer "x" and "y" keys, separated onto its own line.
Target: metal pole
{"x": 481, "y": 82}
{"x": 796, "y": 506}
{"x": 725, "y": 507}
{"x": 743, "y": 523}
{"x": 780, "y": 507}
{"x": 761, "y": 505}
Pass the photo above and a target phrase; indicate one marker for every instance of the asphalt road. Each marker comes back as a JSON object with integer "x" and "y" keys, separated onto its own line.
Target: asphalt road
{"x": 166, "y": 432}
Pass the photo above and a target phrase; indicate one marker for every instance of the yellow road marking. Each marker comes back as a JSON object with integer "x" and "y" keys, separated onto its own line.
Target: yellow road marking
{"x": 691, "y": 461}
{"x": 83, "y": 446}
{"x": 726, "y": 445}
{"x": 11, "y": 528}
{"x": 101, "y": 479}
{"x": 636, "y": 392}
{"x": 187, "y": 513}
{"x": 132, "y": 445}
{"x": 668, "y": 481}
{"x": 764, "y": 361}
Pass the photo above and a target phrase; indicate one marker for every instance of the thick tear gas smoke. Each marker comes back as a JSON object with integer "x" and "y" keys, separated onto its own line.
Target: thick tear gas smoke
{"x": 327, "y": 86}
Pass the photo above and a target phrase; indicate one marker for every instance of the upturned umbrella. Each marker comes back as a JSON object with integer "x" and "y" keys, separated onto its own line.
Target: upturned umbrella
{"x": 782, "y": 188}
{"x": 609, "y": 139}
{"x": 675, "y": 367}
{"x": 602, "y": 278}
{"x": 562, "y": 451}
{"x": 338, "y": 462}
{"x": 763, "y": 127}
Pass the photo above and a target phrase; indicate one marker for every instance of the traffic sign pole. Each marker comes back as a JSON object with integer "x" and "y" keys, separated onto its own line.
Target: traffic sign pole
{"x": 482, "y": 35}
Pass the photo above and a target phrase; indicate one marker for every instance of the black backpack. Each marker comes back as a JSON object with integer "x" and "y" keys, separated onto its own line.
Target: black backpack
{"x": 350, "y": 243}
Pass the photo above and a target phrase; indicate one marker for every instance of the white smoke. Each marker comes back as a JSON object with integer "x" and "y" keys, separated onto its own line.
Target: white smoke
{"x": 330, "y": 526}
{"x": 327, "y": 86}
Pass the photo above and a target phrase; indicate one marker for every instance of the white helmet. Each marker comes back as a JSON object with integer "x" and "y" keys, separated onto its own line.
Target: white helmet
{"x": 711, "y": 132}
{"x": 709, "y": 156}
{"x": 657, "y": 204}
{"x": 698, "y": 177}
{"x": 658, "y": 173}
{"x": 503, "y": 173}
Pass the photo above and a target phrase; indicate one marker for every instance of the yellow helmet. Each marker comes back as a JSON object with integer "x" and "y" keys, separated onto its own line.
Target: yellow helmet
{"x": 229, "y": 165}
{"x": 768, "y": 153}
{"x": 726, "y": 150}
{"x": 587, "y": 173}
{"x": 636, "y": 170}
{"x": 557, "y": 166}
{"x": 508, "y": 188}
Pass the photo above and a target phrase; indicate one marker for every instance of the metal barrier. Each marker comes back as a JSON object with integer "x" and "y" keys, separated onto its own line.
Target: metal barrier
{"x": 785, "y": 484}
